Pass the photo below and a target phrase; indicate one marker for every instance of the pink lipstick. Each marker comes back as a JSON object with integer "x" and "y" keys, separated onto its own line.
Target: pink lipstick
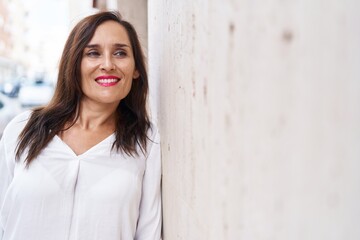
{"x": 107, "y": 81}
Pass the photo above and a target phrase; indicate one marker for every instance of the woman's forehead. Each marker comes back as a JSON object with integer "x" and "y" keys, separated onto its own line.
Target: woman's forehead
{"x": 110, "y": 32}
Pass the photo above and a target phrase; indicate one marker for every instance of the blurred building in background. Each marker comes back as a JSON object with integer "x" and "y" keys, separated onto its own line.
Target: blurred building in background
{"x": 17, "y": 25}
{"x": 32, "y": 36}
{"x": 13, "y": 42}
{"x": 5, "y": 41}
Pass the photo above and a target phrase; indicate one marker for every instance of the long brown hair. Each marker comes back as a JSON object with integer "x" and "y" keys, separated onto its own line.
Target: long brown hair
{"x": 132, "y": 117}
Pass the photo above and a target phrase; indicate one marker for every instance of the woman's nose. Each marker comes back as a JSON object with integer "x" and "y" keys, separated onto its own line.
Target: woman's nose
{"x": 107, "y": 63}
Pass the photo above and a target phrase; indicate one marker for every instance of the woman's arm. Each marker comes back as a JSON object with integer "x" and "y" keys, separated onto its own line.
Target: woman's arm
{"x": 150, "y": 219}
{"x": 6, "y": 175}
{"x": 7, "y": 158}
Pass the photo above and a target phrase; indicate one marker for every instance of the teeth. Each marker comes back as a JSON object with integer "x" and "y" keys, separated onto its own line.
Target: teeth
{"x": 107, "y": 80}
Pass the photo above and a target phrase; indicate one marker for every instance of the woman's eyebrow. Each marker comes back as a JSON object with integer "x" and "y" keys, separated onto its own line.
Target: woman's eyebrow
{"x": 118, "y": 45}
{"x": 92, "y": 46}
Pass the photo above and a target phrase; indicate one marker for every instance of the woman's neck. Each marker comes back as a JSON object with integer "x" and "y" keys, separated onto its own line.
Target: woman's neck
{"x": 95, "y": 116}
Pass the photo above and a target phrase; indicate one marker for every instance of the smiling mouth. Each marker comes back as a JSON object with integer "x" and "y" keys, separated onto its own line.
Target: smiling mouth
{"x": 107, "y": 82}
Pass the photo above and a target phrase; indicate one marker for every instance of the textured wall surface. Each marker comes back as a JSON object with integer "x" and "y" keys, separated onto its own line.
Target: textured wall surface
{"x": 258, "y": 104}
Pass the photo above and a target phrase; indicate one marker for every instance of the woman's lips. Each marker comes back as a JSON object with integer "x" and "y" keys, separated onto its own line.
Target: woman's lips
{"x": 107, "y": 81}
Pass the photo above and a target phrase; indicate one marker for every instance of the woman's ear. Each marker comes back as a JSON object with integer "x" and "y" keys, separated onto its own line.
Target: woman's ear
{"x": 136, "y": 74}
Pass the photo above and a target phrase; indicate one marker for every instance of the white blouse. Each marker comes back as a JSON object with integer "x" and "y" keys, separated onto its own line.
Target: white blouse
{"x": 98, "y": 195}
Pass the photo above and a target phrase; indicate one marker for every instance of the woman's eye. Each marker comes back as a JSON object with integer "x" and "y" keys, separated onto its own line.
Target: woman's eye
{"x": 120, "y": 53}
{"x": 92, "y": 54}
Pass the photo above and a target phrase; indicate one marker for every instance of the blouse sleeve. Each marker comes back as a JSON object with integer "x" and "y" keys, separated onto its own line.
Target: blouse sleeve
{"x": 8, "y": 144}
{"x": 150, "y": 218}
{"x": 6, "y": 175}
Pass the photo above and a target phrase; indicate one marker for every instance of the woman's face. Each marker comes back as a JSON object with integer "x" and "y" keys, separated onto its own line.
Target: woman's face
{"x": 107, "y": 65}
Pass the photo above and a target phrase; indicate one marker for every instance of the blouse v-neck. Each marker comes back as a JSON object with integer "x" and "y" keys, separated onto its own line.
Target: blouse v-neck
{"x": 94, "y": 147}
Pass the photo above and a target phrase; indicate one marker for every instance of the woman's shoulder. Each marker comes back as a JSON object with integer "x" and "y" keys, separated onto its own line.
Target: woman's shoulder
{"x": 16, "y": 125}
{"x": 153, "y": 136}
{"x": 153, "y": 131}
{"x": 20, "y": 119}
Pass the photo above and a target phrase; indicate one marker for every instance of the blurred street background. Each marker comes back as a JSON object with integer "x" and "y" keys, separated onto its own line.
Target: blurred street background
{"x": 32, "y": 34}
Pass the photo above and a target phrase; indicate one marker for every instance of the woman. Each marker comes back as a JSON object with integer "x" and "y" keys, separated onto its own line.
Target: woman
{"x": 87, "y": 165}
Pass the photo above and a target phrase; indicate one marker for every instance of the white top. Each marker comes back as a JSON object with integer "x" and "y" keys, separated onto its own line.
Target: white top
{"x": 98, "y": 195}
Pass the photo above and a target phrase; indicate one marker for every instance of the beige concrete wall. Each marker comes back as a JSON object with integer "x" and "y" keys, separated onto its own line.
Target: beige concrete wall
{"x": 258, "y": 105}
